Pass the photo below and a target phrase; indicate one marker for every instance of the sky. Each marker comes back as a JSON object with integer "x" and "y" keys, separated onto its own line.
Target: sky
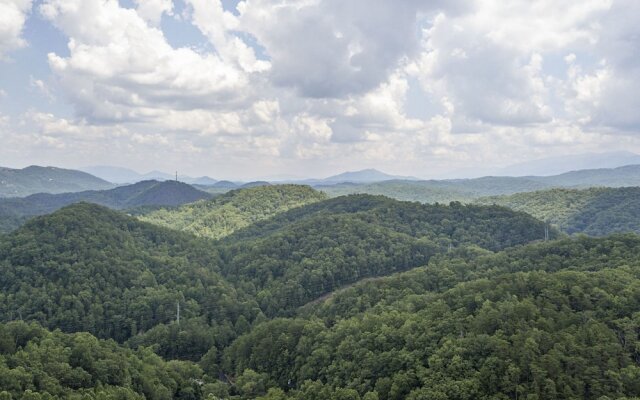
{"x": 308, "y": 88}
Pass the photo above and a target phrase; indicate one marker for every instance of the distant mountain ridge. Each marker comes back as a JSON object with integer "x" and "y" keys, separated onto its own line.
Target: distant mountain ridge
{"x": 14, "y": 211}
{"x": 560, "y": 165}
{"x": 466, "y": 190}
{"x": 122, "y": 175}
{"x": 36, "y": 179}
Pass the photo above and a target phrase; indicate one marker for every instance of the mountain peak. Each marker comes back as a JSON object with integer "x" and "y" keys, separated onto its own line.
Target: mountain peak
{"x": 365, "y": 175}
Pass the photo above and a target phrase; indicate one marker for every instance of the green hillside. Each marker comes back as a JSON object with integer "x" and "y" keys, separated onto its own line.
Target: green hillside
{"x": 355, "y": 297}
{"x": 34, "y": 179}
{"x": 15, "y": 211}
{"x": 234, "y": 210}
{"x": 550, "y": 321}
{"x": 304, "y": 253}
{"x": 594, "y": 211}
{"x": 87, "y": 268}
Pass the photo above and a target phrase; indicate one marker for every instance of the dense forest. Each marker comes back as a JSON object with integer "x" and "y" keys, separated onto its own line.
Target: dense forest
{"x": 354, "y": 297}
{"x": 557, "y": 320}
{"x": 593, "y": 211}
{"x": 554, "y": 320}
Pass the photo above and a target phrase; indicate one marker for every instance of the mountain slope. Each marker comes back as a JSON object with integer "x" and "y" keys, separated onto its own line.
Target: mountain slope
{"x": 87, "y": 268}
{"x": 594, "y": 211}
{"x": 227, "y": 213}
{"x": 434, "y": 191}
{"x": 34, "y": 179}
{"x": 302, "y": 254}
{"x": 444, "y": 191}
{"x": 554, "y": 320}
{"x": 14, "y": 211}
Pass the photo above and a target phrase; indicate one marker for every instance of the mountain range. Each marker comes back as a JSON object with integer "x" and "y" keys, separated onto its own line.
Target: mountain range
{"x": 122, "y": 175}
{"x": 358, "y": 297}
{"x": 14, "y": 211}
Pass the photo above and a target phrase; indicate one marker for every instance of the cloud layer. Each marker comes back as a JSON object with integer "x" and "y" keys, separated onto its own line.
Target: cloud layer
{"x": 419, "y": 88}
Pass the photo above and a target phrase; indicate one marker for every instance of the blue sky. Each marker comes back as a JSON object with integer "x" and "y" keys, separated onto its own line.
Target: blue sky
{"x": 312, "y": 87}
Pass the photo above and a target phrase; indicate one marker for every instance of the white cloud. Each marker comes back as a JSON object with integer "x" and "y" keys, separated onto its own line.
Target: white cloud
{"x": 13, "y": 14}
{"x": 606, "y": 96}
{"x": 321, "y": 85}
{"x": 152, "y": 10}
{"x": 335, "y": 48}
{"x": 121, "y": 69}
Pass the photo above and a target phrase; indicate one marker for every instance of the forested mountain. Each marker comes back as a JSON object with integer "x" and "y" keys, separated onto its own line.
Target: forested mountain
{"x": 595, "y": 211}
{"x": 355, "y": 297}
{"x": 628, "y": 175}
{"x": 87, "y": 268}
{"x": 556, "y": 320}
{"x": 15, "y": 211}
{"x": 236, "y": 209}
{"x": 34, "y": 179}
{"x": 309, "y": 251}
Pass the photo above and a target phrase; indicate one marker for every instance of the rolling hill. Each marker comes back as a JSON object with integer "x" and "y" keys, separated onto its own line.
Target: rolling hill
{"x": 355, "y": 297}
{"x": 35, "y": 179}
{"x": 14, "y": 211}
{"x": 594, "y": 211}
{"x": 552, "y": 320}
{"x": 236, "y": 209}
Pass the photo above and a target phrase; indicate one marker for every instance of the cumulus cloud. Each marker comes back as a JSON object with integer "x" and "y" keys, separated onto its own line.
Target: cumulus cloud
{"x": 335, "y": 48}
{"x": 122, "y": 69}
{"x": 606, "y": 95}
{"x": 331, "y": 84}
{"x": 152, "y": 10}
{"x": 13, "y": 14}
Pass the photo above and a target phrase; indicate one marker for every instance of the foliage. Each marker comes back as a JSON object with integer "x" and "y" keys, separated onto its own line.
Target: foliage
{"x": 38, "y": 364}
{"x": 86, "y": 268}
{"x": 557, "y": 320}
